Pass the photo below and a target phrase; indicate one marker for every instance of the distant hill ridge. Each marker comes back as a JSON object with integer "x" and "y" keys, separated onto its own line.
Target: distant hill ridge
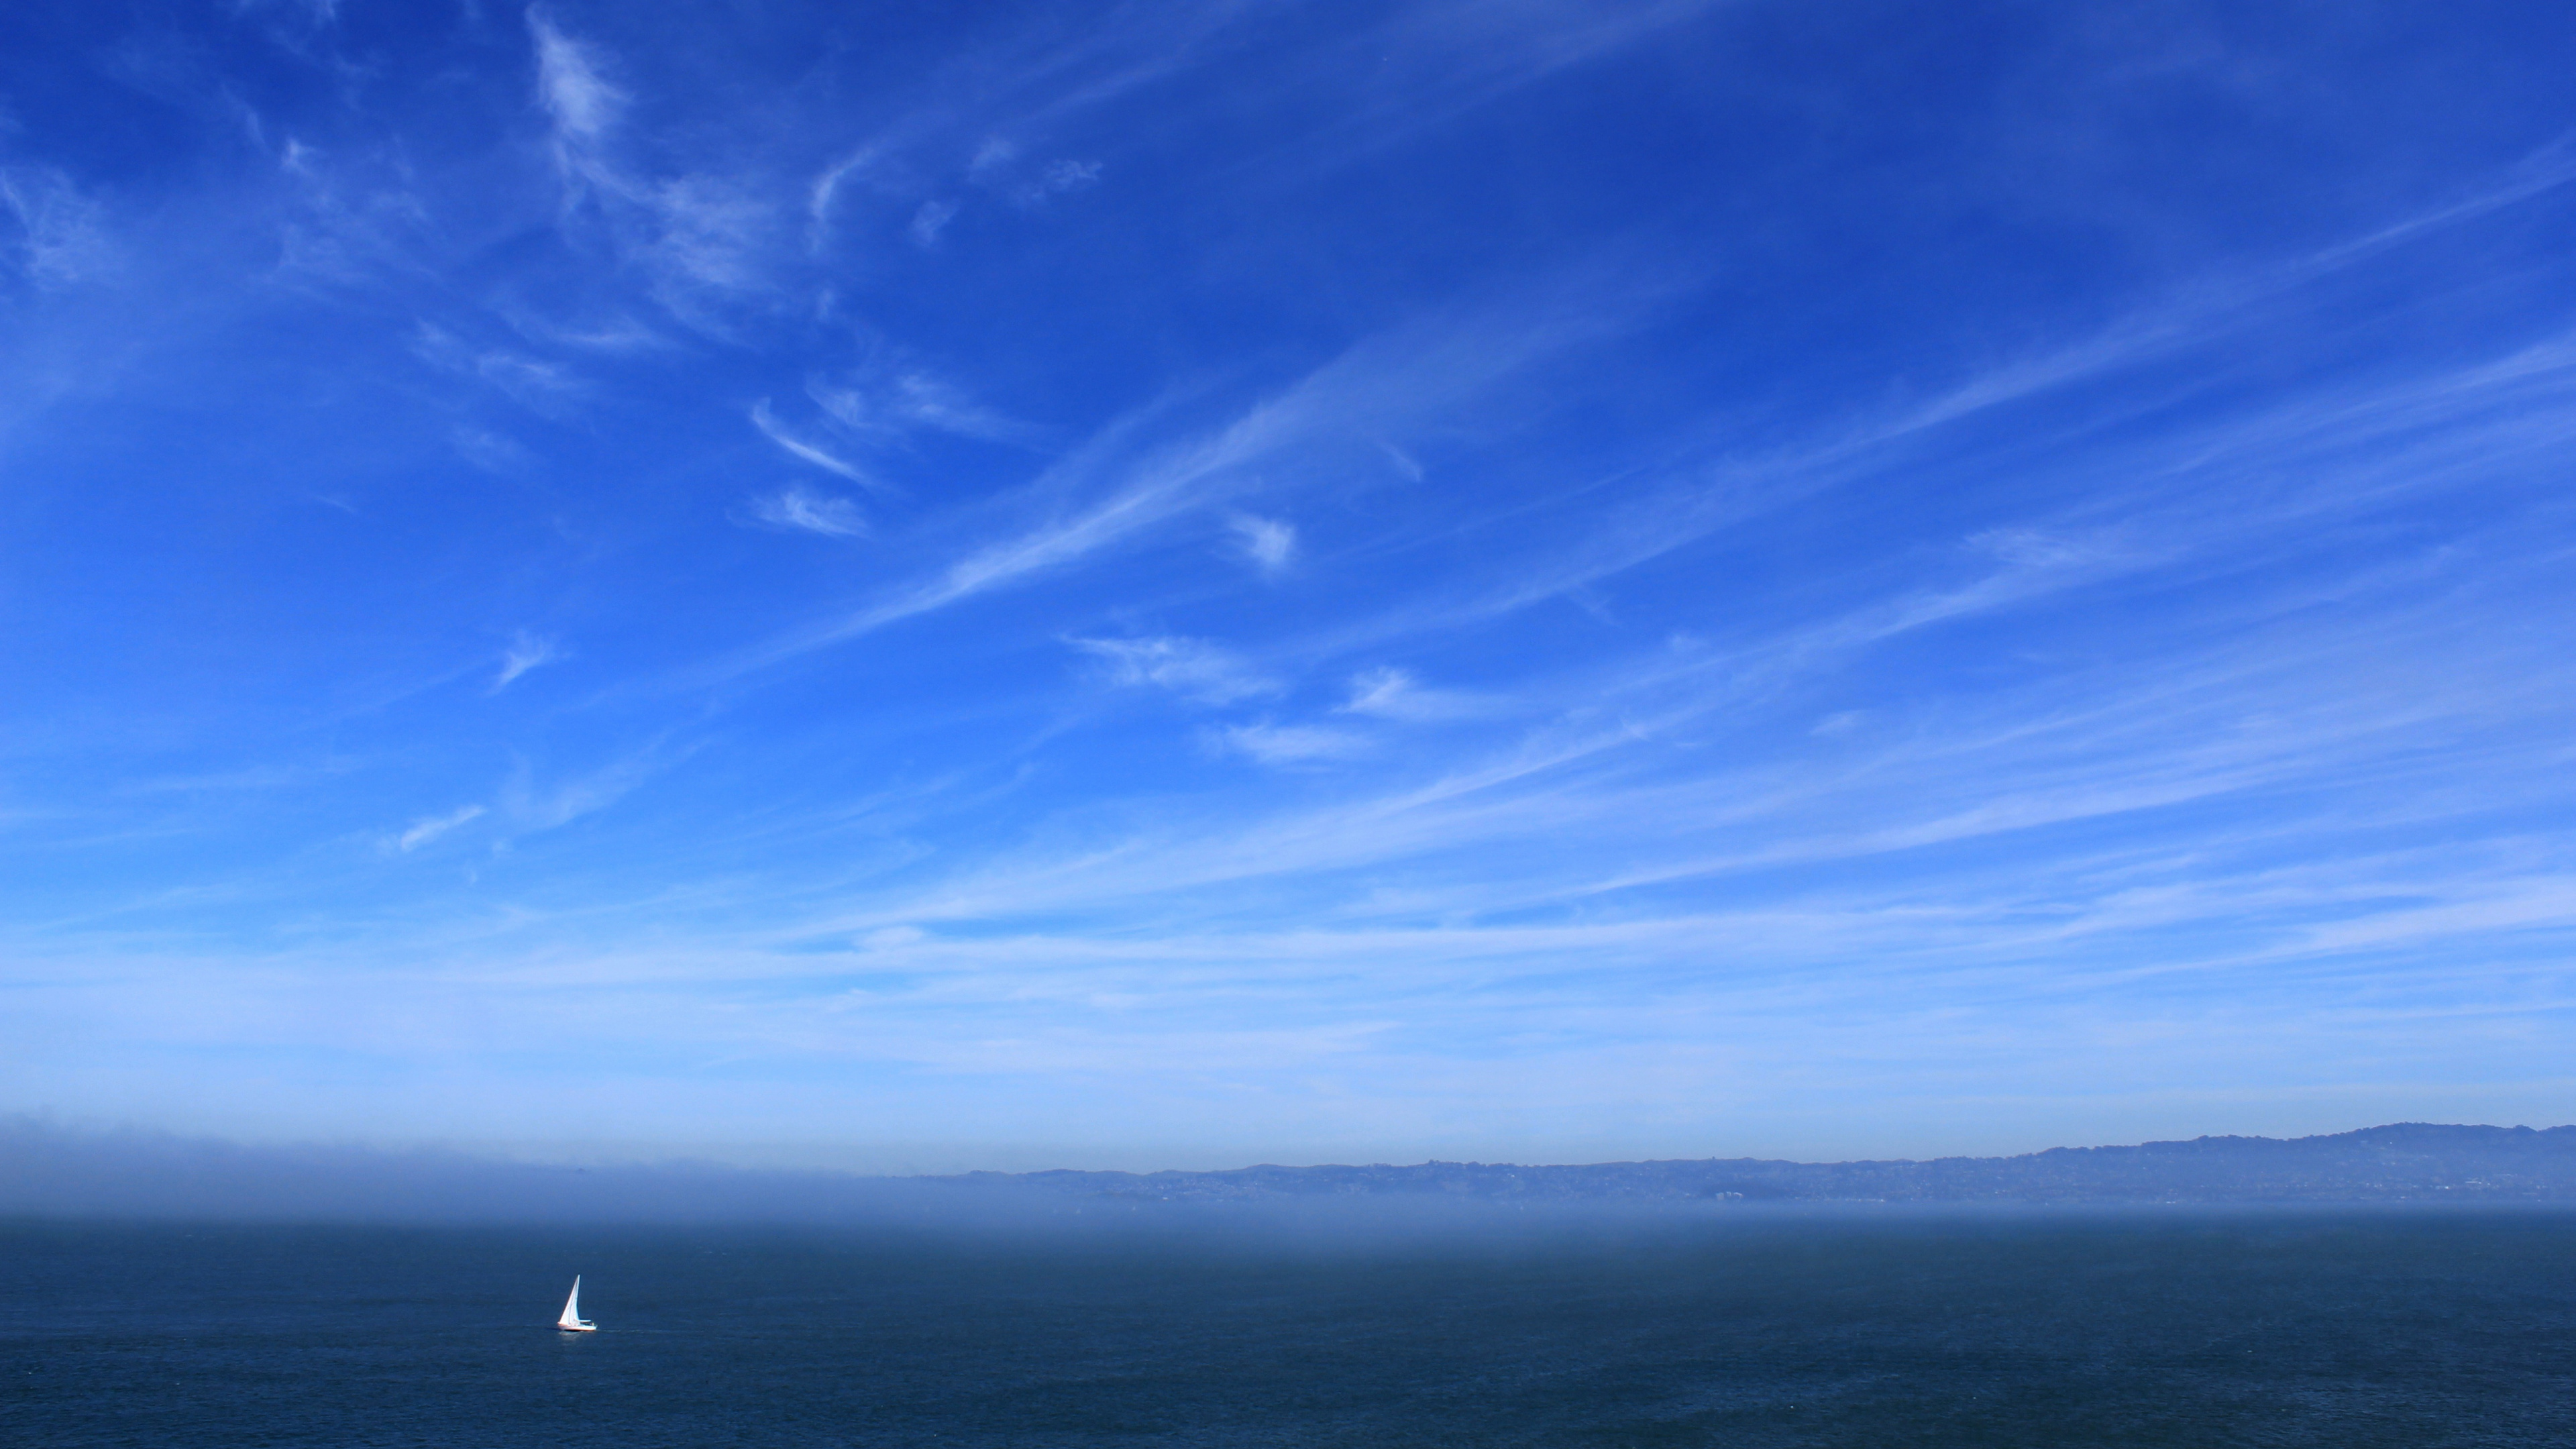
{"x": 48, "y": 1171}
{"x": 2400, "y": 1162}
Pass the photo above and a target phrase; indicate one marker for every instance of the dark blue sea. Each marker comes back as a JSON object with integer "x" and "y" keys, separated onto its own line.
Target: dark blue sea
{"x": 2278, "y": 1328}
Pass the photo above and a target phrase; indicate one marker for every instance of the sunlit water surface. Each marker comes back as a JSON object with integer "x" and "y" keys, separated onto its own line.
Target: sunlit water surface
{"x": 2057, "y": 1330}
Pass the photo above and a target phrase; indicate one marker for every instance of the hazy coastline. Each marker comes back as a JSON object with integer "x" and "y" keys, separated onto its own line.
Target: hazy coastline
{"x": 48, "y": 1171}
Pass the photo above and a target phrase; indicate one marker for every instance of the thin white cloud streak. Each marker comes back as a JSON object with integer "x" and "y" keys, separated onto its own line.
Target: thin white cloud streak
{"x": 1435, "y": 62}
{"x": 1192, "y": 668}
{"x": 1269, "y": 543}
{"x": 1389, "y": 693}
{"x": 1374, "y": 690}
{"x": 544, "y": 388}
{"x": 806, "y": 511}
{"x": 2229, "y": 304}
{"x": 616, "y": 333}
{"x": 2544, "y": 170}
{"x": 530, "y": 806}
{"x": 1997, "y": 928}
{"x": 826, "y": 189}
{"x": 990, "y": 157}
{"x": 1445, "y": 59}
{"x": 1292, "y": 744}
{"x": 423, "y": 832}
{"x": 527, "y": 651}
{"x": 891, "y": 404}
{"x": 2546, "y": 902}
{"x": 2075, "y": 769}
{"x": 796, "y": 447}
{"x": 1733, "y": 491}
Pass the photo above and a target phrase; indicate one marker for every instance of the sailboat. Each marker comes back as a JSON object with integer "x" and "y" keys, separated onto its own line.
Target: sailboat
{"x": 572, "y": 1321}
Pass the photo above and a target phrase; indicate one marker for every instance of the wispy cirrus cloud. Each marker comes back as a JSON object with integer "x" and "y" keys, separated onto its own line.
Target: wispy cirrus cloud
{"x": 1113, "y": 488}
{"x": 548, "y": 389}
{"x": 929, "y": 220}
{"x": 1192, "y": 668}
{"x": 61, "y": 234}
{"x": 358, "y": 223}
{"x": 493, "y": 452}
{"x": 532, "y": 801}
{"x": 527, "y": 651}
{"x": 807, "y": 511}
{"x": 2164, "y": 745}
{"x": 1682, "y": 507}
{"x": 805, "y": 450}
{"x": 890, "y": 403}
{"x": 711, "y": 233}
{"x": 996, "y": 168}
{"x": 706, "y": 238}
{"x": 573, "y": 85}
{"x": 1387, "y": 692}
{"x": 1269, "y": 543}
{"x": 422, "y": 832}
{"x": 825, "y": 190}
{"x": 1291, "y": 744}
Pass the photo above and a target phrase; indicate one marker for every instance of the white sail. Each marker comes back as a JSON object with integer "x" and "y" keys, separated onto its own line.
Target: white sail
{"x": 572, "y": 1321}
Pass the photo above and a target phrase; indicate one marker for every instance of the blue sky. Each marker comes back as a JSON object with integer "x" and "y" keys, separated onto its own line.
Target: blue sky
{"x": 1170, "y": 585}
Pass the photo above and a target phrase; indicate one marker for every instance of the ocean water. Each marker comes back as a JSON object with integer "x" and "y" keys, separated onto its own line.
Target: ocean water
{"x": 2281, "y": 1328}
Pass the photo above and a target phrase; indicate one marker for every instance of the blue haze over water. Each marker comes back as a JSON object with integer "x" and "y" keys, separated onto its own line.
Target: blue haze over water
{"x": 2309, "y": 1327}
